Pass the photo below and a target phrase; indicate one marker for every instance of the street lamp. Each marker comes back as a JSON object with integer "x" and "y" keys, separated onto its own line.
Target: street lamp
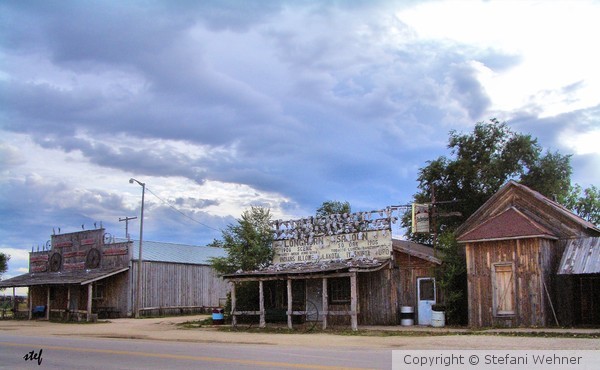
{"x": 138, "y": 298}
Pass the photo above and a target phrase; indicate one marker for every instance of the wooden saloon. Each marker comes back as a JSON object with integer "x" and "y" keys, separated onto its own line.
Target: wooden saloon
{"x": 338, "y": 270}
{"x": 528, "y": 259}
{"x": 89, "y": 273}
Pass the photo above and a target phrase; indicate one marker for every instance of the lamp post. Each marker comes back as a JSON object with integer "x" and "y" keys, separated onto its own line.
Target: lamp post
{"x": 138, "y": 297}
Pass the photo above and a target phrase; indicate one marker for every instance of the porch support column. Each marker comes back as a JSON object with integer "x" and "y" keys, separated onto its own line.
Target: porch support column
{"x": 30, "y": 299}
{"x": 89, "y": 302}
{"x": 353, "y": 302}
{"x": 261, "y": 304}
{"x": 68, "y": 298}
{"x": 289, "y": 301}
{"x": 325, "y": 303}
{"x": 233, "y": 303}
{"x": 48, "y": 303}
{"x": 15, "y": 305}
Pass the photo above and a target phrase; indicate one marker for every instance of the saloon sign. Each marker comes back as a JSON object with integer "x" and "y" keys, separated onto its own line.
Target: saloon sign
{"x": 334, "y": 237}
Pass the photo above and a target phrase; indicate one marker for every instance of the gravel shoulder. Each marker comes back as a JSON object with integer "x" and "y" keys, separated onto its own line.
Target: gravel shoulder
{"x": 166, "y": 329}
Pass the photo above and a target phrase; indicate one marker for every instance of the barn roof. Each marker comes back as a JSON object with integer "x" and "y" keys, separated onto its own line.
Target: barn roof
{"x": 175, "y": 253}
{"x": 534, "y": 208}
{"x": 581, "y": 256}
{"x": 421, "y": 251}
{"x": 60, "y": 278}
{"x": 509, "y": 224}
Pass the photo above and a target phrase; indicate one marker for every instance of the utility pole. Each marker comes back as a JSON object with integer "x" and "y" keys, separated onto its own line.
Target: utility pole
{"x": 126, "y": 219}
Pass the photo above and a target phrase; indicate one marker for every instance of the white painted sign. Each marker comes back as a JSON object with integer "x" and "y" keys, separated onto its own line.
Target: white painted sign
{"x": 370, "y": 244}
{"x": 420, "y": 218}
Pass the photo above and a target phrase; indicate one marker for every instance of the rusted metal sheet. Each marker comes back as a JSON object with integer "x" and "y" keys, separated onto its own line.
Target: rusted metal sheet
{"x": 581, "y": 256}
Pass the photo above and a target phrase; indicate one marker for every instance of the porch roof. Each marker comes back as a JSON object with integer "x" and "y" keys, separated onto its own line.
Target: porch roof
{"x": 325, "y": 267}
{"x": 81, "y": 277}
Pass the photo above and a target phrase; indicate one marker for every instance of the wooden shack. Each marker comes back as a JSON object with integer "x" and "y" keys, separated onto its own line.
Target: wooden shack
{"x": 514, "y": 244}
{"x": 88, "y": 273}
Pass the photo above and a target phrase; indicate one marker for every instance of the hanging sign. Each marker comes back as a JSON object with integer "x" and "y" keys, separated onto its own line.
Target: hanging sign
{"x": 420, "y": 218}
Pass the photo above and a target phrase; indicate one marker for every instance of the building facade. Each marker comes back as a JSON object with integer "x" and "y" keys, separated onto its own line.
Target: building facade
{"x": 90, "y": 273}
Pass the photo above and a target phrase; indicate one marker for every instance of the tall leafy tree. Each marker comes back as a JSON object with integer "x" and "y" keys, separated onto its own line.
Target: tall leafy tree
{"x": 248, "y": 242}
{"x": 585, "y": 202}
{"x": 331, "y": 207}
{"x": 3, "y": 263}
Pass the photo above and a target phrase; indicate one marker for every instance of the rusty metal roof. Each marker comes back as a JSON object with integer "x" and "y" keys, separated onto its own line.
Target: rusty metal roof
{"x": 581, "y": 256}
{"x": 60, "y": 278}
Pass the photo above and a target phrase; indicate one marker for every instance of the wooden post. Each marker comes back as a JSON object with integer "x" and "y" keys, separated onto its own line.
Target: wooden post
{"x": 48, "y": 303}
{"x": 261, "y": 301}
{"x": 68, "y": 318}
{"x": 15, "y": 305}
{"x": 325, "y": 303}
{"x": 89, "y": 303}
{"x": 30, "y": 299}
{"x": 289, "y": 301}
{"x": 353, "y": 301}
{"x": 233, "y": 316}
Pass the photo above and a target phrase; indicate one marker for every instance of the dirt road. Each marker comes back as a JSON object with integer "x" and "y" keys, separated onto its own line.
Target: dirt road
{"x": 167, "y": 329}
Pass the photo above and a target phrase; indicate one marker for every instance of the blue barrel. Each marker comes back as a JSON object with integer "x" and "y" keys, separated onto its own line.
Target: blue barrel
{"x": 218, "y": 316}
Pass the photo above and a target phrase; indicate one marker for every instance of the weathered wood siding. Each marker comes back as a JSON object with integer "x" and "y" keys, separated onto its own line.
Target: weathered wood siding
{"x": 375, "y": 298}
{"x": 178, "y": 285}
{"x": 533, "y": 260}
{"x": 410, "y": 269}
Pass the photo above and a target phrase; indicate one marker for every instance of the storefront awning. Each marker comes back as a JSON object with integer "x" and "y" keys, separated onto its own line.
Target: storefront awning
{"x": 80, "y": 277}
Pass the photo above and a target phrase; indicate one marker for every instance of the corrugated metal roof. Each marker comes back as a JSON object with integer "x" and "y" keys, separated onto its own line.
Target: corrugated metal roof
{"x": 581, "y": 256}
{"x": 175, "y": 253}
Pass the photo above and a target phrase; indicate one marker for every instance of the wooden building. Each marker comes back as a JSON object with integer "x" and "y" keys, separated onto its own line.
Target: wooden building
{"x": 88, "y": 272}
{"x": 514, "y": 245}
{"x": 361, "y": 278}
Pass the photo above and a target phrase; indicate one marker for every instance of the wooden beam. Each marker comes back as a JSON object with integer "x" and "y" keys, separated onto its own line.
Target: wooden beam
{"x": 89, "y": 303}
{"x": 30, "y": 299}
{"x": 289, "y": 303}
{"x": 325, "y": 303}
{"x": 353, "y": 302}
{"x": 48, "y": 303}
{"x": 233, "y": 302}
{"x": 261, "y": 307}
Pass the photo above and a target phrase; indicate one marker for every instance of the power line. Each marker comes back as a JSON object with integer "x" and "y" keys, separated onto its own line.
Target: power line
{"x": 178, "y": 211}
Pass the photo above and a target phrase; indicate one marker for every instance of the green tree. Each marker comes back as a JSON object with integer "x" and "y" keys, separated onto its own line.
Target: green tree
{"x": 480, "y": 163}
{"x": 585, "y": 202}
{"x": 4, "y": 258}
{"x": 550, "y": 175}
{"x": 332, "y": 207}
{"x": 247, "y": 243}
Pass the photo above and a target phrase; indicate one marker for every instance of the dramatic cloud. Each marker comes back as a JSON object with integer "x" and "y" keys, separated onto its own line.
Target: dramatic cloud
{"x": 221, "y": 105}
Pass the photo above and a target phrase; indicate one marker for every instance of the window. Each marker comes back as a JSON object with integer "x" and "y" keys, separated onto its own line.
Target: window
{"x": 338, "y": 290}
{"x": 503, "y": 284}
{"x": 98, "y": 291}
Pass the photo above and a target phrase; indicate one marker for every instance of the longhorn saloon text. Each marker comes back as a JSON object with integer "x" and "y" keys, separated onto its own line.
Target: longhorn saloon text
{"x": 371, "y": 244}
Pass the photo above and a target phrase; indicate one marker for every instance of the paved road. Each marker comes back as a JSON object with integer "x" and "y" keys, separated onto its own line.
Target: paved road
{"x": 99, "y": 353}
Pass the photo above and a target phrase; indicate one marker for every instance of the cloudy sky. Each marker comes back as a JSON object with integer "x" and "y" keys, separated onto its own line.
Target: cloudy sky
{"x": 220, "y": 105}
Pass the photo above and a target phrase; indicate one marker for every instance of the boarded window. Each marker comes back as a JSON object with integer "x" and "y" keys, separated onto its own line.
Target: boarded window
{"x": 338, "y": 290}
{"x": 503, "y": 283}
